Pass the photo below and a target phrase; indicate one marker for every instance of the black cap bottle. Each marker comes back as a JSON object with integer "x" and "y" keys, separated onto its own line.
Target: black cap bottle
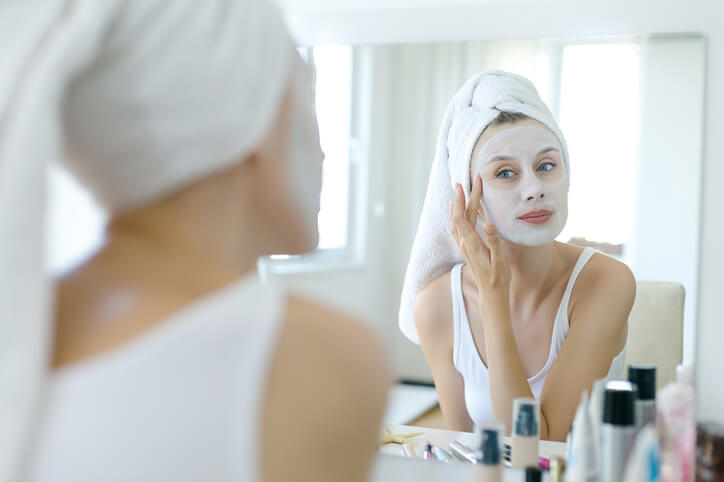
{"x": 618, "y": 429}
{"x": 644, "y": 377}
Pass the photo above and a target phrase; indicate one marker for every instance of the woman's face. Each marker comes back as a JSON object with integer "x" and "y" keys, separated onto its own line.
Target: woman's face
{"x": 525, "y": 185}
{"x": 292, "y": 163}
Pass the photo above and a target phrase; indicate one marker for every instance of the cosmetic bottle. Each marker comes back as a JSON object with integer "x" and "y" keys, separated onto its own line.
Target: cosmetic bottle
{"x": 676, "y": 426}
{"x": 525, "y": 433}
{"x": 533, "y": 474}
{"x": 490, "y": 462}
{"x": 618, "y": 429}
{"x": 644, "y": 377}
{"x": 568, "y": 443}
{"x": 644, "y": 463}
{"x": 710, "y": 452}
{"x": 582, "y": 464}
{"x": 557, "y": 469}
{"x": 463, "y": 452}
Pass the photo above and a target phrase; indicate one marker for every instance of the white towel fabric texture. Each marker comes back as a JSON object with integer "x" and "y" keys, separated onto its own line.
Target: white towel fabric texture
{"x": 139, "y": 98}
{"x": 470, "y": 111}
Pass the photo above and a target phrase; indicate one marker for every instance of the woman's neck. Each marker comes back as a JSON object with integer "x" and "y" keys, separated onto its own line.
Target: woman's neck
{"x": 182, "y": 240}
{"x": 532, "y": 268}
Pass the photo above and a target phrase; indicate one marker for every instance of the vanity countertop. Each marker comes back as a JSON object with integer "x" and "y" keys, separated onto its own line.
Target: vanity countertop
{"x": 393, "y": 466}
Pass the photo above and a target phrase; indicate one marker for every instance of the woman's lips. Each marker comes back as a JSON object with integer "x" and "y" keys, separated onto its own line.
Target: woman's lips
{"x": 539, "y": 216}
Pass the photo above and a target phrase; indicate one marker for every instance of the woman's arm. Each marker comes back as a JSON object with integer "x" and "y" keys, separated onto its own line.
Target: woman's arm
{"x": 492, "y": 274}
{"x": 601, "y": 303}
{"x": 433, "y": 318}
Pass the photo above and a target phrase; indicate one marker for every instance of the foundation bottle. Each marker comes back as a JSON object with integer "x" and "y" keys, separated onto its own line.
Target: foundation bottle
{"x": 525, "y": 433}
{"x": 490, "y": 462}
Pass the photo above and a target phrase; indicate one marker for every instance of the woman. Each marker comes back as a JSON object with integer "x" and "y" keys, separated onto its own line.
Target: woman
{"x": 503, "y": 310}
{"x": 163, "y": 356}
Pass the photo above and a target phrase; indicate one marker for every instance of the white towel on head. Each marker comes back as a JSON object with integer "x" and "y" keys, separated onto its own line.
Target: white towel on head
{"x": 470, "y": 111}
{"x": 148, "y": 96}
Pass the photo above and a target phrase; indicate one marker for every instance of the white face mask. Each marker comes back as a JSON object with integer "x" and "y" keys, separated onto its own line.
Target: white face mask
{"x": 525, "y": 184}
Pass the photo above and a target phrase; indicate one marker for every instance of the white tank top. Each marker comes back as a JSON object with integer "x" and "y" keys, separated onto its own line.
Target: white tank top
{"x": 181, "y": 402}
{"x": 474, "y": 372}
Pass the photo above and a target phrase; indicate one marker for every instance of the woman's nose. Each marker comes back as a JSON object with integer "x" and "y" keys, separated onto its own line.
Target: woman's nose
{"x": 532, "y": 189}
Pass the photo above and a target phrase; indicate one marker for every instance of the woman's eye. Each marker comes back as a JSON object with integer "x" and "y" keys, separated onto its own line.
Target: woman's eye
{"x": 546, "y": 166}
{"x": 504, "y": 174}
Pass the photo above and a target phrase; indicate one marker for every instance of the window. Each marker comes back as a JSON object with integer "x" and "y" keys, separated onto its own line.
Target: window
{"x": 74, "y": 221}
{"x": 599, "y": 114}
{"x": 333, "y": 101}
{"x": 337, "y": 226}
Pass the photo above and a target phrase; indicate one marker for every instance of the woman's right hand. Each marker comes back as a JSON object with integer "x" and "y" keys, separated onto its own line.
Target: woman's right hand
{"x": 486, "y": 258}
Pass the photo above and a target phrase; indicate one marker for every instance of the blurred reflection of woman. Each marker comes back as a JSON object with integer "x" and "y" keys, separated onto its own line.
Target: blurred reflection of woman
{"x": 164, "y": 358}
{"x": 501, "y": 309}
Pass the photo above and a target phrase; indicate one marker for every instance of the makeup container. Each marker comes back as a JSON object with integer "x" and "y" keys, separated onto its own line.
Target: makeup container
{"x": 463, "y": 452}
{"x": 618, "y": 429}
{"x": 644, "y": 377}
{"x": 533, "y": 474}
{"x": 710, "y": 452}
{"x": 583, "y": 460}
{"x": 644, "y": 461}
{"x": 427, "y": 452}
{"x": 676, "y": 425}
{"x": 568, "y": 443}
{"x": 557, "y": 469}
{"x": 490, "y": 461}
{"x": 433, "y": 452}
{"x": 525, "y": 433}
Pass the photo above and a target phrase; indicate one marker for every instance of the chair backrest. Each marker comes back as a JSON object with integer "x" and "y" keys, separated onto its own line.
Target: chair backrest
{"x": 655, "y": 328}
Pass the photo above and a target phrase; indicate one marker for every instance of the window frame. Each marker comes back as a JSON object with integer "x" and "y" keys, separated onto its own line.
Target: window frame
{"x": 352, "y": 254}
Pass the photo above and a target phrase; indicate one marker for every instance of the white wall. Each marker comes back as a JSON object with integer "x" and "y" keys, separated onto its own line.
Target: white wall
{"x": 577, "y": 18}
{"x": 666, "y": 232}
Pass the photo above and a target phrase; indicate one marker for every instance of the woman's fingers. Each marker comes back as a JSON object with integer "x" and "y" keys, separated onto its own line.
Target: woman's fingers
{"x": 481, "y": 207}
{"x": 492, "y": 239}
{"x": 471, "y": 212}
{"x": 468, "y": 240}
{"x": 459, "y": 202}
{"x": 457, "y": 208}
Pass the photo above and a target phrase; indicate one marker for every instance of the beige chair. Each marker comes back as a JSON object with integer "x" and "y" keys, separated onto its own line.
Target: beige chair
{"x": 655, "y": 328}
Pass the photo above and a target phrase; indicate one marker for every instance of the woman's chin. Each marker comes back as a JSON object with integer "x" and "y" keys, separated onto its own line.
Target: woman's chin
{"x": 303, "y": 242}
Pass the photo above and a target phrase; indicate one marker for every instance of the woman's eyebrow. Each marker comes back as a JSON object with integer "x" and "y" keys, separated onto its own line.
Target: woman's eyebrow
{"x": 510, "y": 158}
{"x": 546, "y": 150}
{"x": 502, "y": 158}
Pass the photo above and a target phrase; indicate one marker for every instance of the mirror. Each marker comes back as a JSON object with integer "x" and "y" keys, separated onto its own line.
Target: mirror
{"x": 631, "y": 109}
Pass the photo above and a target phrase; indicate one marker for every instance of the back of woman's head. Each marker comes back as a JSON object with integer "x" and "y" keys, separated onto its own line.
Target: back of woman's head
{"x": 139, "y": 99}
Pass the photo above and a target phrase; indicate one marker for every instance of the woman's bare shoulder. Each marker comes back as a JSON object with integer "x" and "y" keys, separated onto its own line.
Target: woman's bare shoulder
{"x": 329, "y": 378}
{"x": 605, "y": 270}
{"x": 605, "y": 282}
{"x": 340, "y": 340}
